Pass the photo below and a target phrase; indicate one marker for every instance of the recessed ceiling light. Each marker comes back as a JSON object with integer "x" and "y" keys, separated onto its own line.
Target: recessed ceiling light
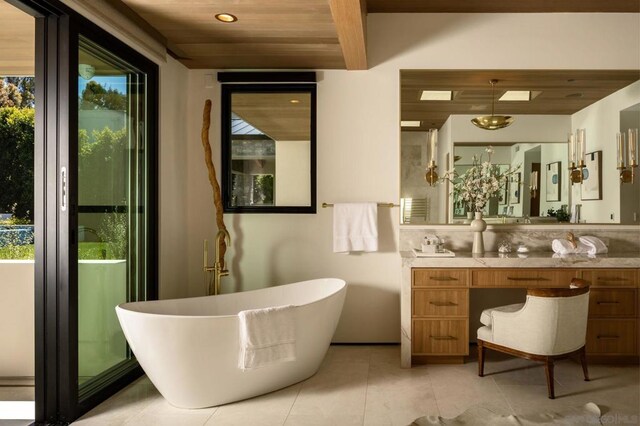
{"x": 226, "y": 17}
{"x": 516, "y": 95}
{"x": 410, "y": 123}
{"x": 294, "y": 101}
{"x": 435, "y": 95}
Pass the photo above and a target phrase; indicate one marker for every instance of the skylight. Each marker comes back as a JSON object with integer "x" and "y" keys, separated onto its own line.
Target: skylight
{"x": 409, "y": 123}
{"x": 516, "y": 95}
{"x": 436, "y": 95}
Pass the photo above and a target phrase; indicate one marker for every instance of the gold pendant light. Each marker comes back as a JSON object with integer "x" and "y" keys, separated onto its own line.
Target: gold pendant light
{"x": 493, "y": 122}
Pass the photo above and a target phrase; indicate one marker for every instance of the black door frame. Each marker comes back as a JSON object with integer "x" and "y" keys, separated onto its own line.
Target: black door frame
{"x": 56, "y": 149}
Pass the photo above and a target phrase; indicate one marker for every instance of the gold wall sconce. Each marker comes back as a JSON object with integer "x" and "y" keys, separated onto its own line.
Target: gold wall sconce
{"x": 431, "y": 176}
{"x": 577, "y": 149}
{"x": 627, "y": 160}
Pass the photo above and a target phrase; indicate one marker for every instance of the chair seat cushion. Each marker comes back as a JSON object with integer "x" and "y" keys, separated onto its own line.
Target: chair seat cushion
{"x": 485, "y": 317}
{"x": 485, "y": 333}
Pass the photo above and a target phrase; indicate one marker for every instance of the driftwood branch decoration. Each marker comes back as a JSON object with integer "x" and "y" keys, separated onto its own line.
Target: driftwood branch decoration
{"x": 217, "y": 198}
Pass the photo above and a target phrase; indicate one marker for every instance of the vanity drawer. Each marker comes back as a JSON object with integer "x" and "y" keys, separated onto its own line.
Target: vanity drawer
{"x": 611, "y": 337}
{"x": 610, "y": 277}
{"x": 428, "y": 277}
{"x": 440, "y": 303}
{"x": 521, "y": 277}
{"x": 605, "y": 302}
{"x": 440, "y": 337}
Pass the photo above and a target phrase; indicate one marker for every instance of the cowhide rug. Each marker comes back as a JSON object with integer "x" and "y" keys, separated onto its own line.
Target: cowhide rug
{"x": 589, "y": 414}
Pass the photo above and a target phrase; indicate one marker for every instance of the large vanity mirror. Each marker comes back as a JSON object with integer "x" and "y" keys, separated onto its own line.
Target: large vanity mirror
{"x": 546, "y": 107}
{"x": 268, "y": 148}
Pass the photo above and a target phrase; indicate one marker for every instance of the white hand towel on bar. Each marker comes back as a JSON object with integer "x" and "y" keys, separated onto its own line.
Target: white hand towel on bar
{"x": 594, "y": 244}
{"x": 267, "y": 336}
{"x": 355, "y": 227}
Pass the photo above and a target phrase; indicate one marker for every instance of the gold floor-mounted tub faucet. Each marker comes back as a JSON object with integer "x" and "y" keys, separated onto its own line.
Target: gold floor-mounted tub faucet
{"x": 219, "y": 266}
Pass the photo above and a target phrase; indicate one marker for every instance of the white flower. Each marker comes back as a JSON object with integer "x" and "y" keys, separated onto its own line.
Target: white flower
{"x": 481, "y": 182}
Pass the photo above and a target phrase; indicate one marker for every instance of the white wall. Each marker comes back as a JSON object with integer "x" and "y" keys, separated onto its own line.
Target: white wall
{"x": 174, "y": 166}
{"x": 602, "y": 121}
{"x": 550, "y": 154}
{"x": 293, "y": 173}
{"x": 17, "y": 326}
{"x": 358, "y": 147}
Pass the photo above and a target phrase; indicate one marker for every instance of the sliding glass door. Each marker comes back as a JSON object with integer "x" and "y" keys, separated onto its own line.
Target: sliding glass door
{"x": 112, "y": 220}
{"x": 95, "y": 207}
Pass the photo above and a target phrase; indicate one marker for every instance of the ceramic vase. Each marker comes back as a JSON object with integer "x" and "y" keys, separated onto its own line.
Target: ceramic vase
{"x": 469, "y": 218}
{"x": 478, "y": 225}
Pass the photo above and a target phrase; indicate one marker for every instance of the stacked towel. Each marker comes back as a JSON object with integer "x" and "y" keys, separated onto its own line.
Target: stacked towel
{"x": 355, "y": 227}
{"x": 267, "y": 336}
{"x": 594, "y": 244}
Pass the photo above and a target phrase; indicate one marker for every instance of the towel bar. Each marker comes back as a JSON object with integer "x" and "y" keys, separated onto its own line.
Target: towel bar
{"x": 325, "y": 205}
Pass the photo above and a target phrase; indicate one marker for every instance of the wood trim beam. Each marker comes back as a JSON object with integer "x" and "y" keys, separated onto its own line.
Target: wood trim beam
{"x": 350, "y": 18}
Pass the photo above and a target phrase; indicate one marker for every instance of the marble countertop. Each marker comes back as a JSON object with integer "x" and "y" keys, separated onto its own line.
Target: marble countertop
{"x": 520, "y": 260}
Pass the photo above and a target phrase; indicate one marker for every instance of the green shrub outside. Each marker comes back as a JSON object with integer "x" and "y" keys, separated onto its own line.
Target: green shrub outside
{"x": 16, "y": 158}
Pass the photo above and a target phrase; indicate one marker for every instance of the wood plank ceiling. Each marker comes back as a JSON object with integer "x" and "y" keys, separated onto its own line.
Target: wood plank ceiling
{"x": 268, "y": 33}
{"x": 554, "y": 92}
{"x": 274, "y": 34}
{"x": 299, "y": 34}
{"x": 281, "y": 116}
{"x": 17, "y": 42}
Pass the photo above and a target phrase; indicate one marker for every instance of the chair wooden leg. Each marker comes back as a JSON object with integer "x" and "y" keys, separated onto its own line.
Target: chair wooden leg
{"x": 480, "y": 358}
{"x": 583, "y": 360}
{"x": 548, "y": 366}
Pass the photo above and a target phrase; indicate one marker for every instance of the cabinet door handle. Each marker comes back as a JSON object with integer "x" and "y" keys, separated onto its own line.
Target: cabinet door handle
{"x": 608, "y": 303}
{"x": 443, "y": 304}
{"x": 607, "y": 337}
{"x": 443, "y": 278}
{"x": 612, "y": 279}
{"x": 527, "y": 279}
{"x": 443, "y": 338}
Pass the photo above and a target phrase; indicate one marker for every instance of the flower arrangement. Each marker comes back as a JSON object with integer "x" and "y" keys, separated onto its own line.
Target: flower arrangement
{"x": 481, "y": 182}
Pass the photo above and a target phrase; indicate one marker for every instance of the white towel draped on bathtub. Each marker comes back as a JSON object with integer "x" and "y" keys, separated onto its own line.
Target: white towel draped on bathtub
{"x": 267, "y": 336}
{"x": 355, "y": 227}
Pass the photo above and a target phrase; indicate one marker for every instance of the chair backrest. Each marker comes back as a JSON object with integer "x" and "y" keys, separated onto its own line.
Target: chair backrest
{"x": 561, "y": 317}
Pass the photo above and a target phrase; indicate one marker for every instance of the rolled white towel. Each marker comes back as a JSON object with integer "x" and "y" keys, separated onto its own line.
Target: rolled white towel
{"x": 565, "y": 247}
{"x": 561, "y": 247}
{"x": 594, "y": 245}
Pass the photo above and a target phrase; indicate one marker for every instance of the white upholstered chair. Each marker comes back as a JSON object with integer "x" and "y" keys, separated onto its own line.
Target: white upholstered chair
{"x": 550, "y": 325}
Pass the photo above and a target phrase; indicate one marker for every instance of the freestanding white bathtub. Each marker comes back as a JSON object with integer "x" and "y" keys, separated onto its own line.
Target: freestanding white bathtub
{"x": 189, "y": 347}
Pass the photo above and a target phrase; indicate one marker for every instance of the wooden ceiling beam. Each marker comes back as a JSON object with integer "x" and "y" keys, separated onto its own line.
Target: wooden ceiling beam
{"x": 350, "y": 18}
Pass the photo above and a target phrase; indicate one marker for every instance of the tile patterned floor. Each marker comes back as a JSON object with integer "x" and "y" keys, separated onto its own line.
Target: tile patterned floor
{"x": 364, "y": 385}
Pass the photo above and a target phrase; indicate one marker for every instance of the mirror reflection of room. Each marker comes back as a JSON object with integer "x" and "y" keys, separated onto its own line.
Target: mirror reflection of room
{"x": 271, "y": 147}
{"x": 547, "y": 112}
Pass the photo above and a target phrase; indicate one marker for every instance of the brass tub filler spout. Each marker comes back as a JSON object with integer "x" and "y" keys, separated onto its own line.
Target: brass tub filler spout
{"x": 219, "y": 267}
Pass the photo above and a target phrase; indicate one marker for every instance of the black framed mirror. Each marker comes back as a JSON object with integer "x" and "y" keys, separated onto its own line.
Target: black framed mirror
{"x": 269, "y": 147}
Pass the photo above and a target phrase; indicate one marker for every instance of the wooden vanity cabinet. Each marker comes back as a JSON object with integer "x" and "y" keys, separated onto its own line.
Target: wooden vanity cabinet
{"x": 522, "y": 277}
{"x": 439, "y": 315}
{"x": 612, "y": 330}
{"x": 440, "y": 308}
